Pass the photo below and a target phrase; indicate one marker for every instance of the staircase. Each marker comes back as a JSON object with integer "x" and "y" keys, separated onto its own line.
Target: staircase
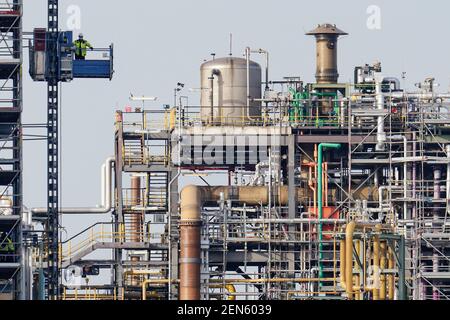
{"x": 134, "y": 151}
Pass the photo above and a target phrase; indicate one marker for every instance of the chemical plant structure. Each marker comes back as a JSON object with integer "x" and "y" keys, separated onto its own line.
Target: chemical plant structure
{"x": 332, "y": 190}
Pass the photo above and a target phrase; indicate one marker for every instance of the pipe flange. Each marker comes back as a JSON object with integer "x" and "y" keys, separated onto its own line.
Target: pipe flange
{"x": 233, "y": 192}
{"x": 191, "y": 222}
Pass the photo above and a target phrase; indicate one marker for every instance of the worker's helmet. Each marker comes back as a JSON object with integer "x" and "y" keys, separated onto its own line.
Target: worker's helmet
{"x": 81, "y": 36}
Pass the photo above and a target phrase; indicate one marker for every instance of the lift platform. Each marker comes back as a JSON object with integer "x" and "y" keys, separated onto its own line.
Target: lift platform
{"x": 99, "y": 67}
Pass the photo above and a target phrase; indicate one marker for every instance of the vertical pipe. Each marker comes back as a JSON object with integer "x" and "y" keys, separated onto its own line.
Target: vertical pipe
{"x": 136, "y": 221}
{"x": 436, "y": 215}
{"x": 447, "y": 188}
{"x": 391, "y": 277}
{"x": 342, "y": 257}
{"x": 381, "y": 135}
{"x": 322, "y": 146}
{"x": 401, "y": 273}
{"x": 190, "y": 249}
{"x": 382, "y": 269}
{"x": 349, "y": 230}
{"x": 357, "y": 276}
{"x": 376, "y": 264}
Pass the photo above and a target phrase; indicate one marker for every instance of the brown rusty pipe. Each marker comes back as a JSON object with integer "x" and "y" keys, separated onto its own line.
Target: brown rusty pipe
{"x": 190, "y": 229}
{"x": 192, "y": 200}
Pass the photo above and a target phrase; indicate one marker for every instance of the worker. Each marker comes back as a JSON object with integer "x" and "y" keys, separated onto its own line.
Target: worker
{"x": 6, "y": 248}
{"x": 81, "y": 47}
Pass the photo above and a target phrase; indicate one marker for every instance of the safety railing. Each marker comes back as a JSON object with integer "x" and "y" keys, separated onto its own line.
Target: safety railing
{"x": 90, "y": 294}
{"x": 10, "y": 6}
{"x": 101, "y": 233}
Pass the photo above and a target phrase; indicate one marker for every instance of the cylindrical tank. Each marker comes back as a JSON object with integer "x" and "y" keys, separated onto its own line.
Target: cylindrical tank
{"x": 224, "y": 91}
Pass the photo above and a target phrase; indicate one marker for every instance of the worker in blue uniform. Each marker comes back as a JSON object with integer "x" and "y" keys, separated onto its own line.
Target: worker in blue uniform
{"x": 81, "y": 45}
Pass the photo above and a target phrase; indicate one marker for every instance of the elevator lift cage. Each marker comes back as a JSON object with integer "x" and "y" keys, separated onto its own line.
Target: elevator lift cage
{"x": 102, "y": 67}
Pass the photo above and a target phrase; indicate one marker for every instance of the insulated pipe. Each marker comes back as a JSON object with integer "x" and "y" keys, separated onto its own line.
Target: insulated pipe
{"x": 391, "y": 277}
{"x": 342, "y": 264}
{"x": 436, "y": 196}
{"x": 190, "y": 243}
{"x": 349, "y": 230}
{"x": 191, "y": 201}
{"x": 381, "y": 135}
{"x": 376, "y": 263}
{"x": 231, "y": 290}
{"x": 447, "y": 189}
{"x": 322, "y": 146}
{"x": 247, "y": 58}
{"x": 405, "y": 170}
{"x": 106, "y": 195}
{"x": 382, "y": 268}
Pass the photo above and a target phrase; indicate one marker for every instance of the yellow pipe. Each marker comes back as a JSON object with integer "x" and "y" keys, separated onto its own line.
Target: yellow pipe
{"x": 391, "y": 279}
{"x": 382, "y": 268}
{"x": 153, "y": 281}
{"x": 313, "y": 189}
{"x": 376, "y": 263}
{"x": 357, "y": 276}
{"x": 349, "y": 230}
{"x": 342, "y": 264}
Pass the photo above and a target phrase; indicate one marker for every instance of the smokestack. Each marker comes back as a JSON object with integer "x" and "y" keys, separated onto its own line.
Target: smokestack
{"x": 326, "y": 39}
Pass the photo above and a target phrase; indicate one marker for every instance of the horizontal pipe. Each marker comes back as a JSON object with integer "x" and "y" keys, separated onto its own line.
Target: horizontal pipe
{"x": 106, "y": 197}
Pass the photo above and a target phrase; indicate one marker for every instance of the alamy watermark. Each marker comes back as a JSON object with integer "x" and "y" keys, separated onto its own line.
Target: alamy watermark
{"x": 374, "y": 17}
{"x": 73, "y": 21}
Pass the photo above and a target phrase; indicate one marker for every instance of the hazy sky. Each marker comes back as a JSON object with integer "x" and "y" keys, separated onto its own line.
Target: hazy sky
{"x": 160, "y": 43}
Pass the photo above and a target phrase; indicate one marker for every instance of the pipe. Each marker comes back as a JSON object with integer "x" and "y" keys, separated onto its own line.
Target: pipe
{"x": 357, "y": 276}
{"x": 437, "y": 175}
{"x": 405, "y": 170}
{"x": 322, "y": 146}
{"x": 381, "y": 135}
{"x": 349, "y": 230}
{"x": 154, "y": 281}
{"x": 231, "y": 290}
{"x": 382, "y": 268}
{"x": 376, "y": 263}
{"x": 191, "y": 201}
{"x": 190, "y": 246}
{"x": 391, "y": 277}
{"x": 247, "y": 58}
{"x": 136, "y": 220}
{"x": 348, "y": 260}
{"x": 313, "y": 189}
{"x": 214, "y": 72}
{"x": 106, "y": 195}
{"x": 342, "y": 264}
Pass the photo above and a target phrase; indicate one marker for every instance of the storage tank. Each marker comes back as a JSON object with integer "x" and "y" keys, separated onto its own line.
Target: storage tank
{"x": 224, "y": 91}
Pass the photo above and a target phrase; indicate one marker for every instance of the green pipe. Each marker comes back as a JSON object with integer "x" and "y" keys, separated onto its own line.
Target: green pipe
{"x": 322, "y": 146}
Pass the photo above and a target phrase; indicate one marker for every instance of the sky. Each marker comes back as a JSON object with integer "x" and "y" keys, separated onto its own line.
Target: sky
{"x": 160, "y": 43}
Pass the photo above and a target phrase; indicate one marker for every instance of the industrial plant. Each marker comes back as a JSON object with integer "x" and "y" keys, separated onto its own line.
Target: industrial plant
{"x": 328, "y": 190}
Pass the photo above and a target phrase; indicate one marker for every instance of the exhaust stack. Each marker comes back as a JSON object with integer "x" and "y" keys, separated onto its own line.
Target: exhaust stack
{"x": 326, "y": 40}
